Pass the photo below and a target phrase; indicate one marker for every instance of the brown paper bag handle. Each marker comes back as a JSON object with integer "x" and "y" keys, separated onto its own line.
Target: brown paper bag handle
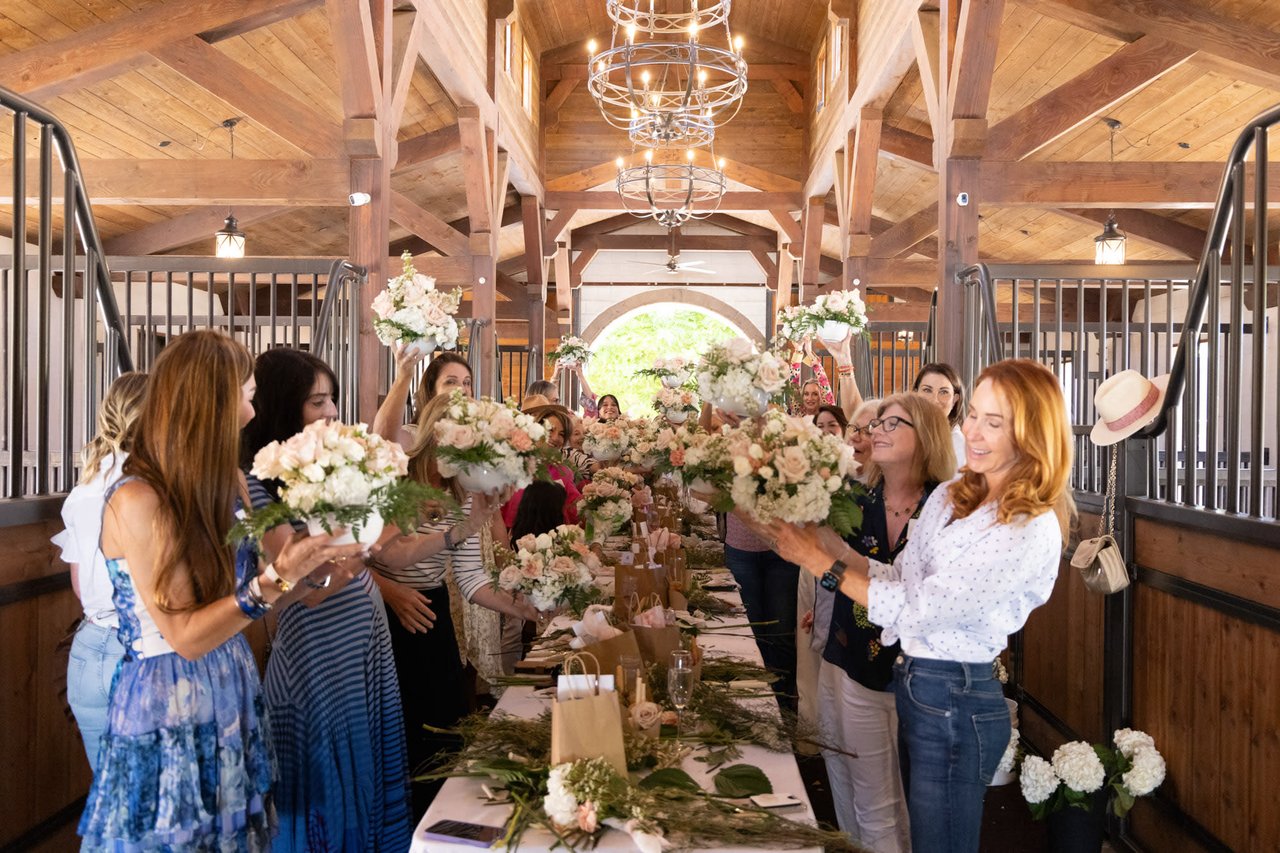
{"x": 580, "y": 659}
{"x": 650, "y": 600}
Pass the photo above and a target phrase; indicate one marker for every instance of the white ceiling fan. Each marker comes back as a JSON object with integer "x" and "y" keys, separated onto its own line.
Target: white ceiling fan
{"x": 674, "y": 266}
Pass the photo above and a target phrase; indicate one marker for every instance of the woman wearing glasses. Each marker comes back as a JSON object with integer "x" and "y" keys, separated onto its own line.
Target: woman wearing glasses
{"x": 858, "y": 435}
{"x": 983, "y": 554}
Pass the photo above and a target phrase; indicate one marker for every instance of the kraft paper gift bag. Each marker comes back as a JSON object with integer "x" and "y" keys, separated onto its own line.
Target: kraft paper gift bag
{"x": 656, "y": 638}
{"x": 589, "y": 726}
{"x": 643, "y": 582}
{"x": 608, "y": 654}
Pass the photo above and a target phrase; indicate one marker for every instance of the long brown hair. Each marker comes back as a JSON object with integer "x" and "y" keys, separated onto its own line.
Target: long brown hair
{"x": 1041, "y": 433}
{"x": 959, "y": 405}
{"x": 116, "y": 417}
{"x": 422, "y": 454}
{"x": 935, "y": 458}
{"x": 186, "y": 447}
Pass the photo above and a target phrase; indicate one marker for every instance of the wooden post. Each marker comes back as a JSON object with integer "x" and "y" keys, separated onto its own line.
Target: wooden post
{"x": 536, "y": 267}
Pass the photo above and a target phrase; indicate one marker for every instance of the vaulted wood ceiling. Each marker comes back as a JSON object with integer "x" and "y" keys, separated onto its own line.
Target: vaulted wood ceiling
{"x": 1181, "y": 75}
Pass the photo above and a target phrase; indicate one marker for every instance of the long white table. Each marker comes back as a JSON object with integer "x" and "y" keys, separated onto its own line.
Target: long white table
{"x": 463, "y": 799}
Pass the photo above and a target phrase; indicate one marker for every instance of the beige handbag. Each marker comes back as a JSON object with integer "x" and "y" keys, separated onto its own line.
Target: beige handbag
{"x": 1099, "y": 559}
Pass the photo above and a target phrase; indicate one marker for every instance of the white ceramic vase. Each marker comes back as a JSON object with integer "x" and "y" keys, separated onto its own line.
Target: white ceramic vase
{"x": 370, "y": 530}
{"x": 424, "y": 346}
{"x": 672, "y": 381}
{"x": 833, "y": 331}
{"x": 482, "y": 479}
{"x": 677, "y": 416}
{"x": 601, "y": 455}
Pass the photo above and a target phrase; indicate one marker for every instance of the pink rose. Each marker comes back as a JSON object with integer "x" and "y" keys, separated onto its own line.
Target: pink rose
{"x": 587, "y": 820}
{"x": 520, "y": 440}
{"x": 677, "y": 457}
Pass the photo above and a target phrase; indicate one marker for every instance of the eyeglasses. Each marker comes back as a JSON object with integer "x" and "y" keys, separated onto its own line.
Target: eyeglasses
{"x": 857, "y": 431}
{"x": 890, "y": 424}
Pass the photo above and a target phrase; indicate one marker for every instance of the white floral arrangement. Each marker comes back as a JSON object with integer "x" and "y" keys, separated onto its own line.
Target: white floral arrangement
{"x": 410, "y": 310}
{"x": 795, "y": 324}
{"x": 606, "y": 441}
{"x": 736, "y": 378}
{"x": 677, "y": 404}
{"x": 672, "y": 372}
{"x": 1134, "y": 768}
{"x": 786, "y": 469}
{"x": 552, "y": 569}
{"x": 605, "y": 508}
{"x": 620, "y": 477}
{"x": 642, "y": 437}
{"x": 335, "y": 475}
{"x": 584, "y": 794}
{"x": 1010, "y": 758}
{"x": 699, "y": 460}
{"x": 844, "y": 307}
{"x": 572, "y": 350}
{"x": 488, "y": 445}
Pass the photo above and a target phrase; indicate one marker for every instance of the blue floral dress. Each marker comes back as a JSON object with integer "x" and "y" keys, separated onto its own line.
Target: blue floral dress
{"x": 185, "y": 762}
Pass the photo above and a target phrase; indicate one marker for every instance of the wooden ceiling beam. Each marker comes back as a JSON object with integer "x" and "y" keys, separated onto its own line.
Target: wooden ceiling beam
{"x": 811, "y": 248}
{"x": 406, "y": 28}
{"x": 356, "y": 57}
{"x": 427, "y": 147}
{"x": 82, "y": 54}
{"x": 606, "y": 226}
{"x": 977, "y": 38}
{"x": 740, "y": 226}
{"x": 731, "y": 201}
{"x": 790, "y": 228}
{"x": 253, "y": 95}
{"x": 905, "y": 147}
{"x": 862, "y": 183}
{"x": 435, "y": 231}
{"x": 755, "y": 71}
{"x": 416, "y": 245}
{"x": 684, "y": 242}
{"x": 1173, "y": 186}
{"x": 905, "y": 235}
{"x": 267, "y": 17}
{"x": 1148, "y": 227}
{"x": 1084, "y": 97}
{"x": 476, "y": 169}
{"x": 1238, "y": 48}
{"x": 606, "y": 172}
{"x": 183, "y": 230}
{"x": 554, "y": 228}
{"x": 535, "y": 263}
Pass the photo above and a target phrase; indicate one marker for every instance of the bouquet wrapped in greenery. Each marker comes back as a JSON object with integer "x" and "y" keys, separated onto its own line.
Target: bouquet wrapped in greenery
{"x": 571, "y": 351}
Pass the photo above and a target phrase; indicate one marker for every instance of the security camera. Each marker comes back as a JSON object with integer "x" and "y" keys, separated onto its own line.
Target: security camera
{"x": 359, "y": 199}
{"x": 963, "y": 199}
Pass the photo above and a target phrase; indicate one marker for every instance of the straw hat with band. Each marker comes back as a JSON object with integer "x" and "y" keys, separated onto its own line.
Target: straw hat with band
{"x": 1126, "y": 403}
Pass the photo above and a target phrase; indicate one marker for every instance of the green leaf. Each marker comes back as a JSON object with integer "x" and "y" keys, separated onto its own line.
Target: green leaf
{"x": 845, "y": 516}
{"x": 670, "y": 777}
{"x": 742, "y": 780}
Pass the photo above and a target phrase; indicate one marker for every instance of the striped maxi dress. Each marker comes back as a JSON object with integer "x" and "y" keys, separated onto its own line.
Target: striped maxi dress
{"x": 336, "y": 723}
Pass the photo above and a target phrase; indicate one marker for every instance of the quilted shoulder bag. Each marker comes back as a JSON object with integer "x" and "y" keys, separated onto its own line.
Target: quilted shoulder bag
{"x": 1099, "y": 559}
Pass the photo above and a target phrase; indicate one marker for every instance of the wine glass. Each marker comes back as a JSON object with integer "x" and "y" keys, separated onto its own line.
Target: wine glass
{"x": 680, "y": 685}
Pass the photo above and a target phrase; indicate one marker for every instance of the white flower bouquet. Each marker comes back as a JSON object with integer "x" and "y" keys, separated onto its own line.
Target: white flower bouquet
{"x": 642, "y": 439}
{"x": 606, "y": 441}
{"x": 488, "y": 445}
{"x": 786, "y": 469}
{"x": 734, "y": 377}
{"x": 671, "y": 372}
{"x": 836, "y": 315}
{"x": 676, "y": 404}
{"x": 571, "y": 351}
{"x": 700, "y": 460}
{"x": 552, "y": 569}
{"x": 411, "y": 311}
{"x": 795, "y": 325}
{"x": 336, "y": 476}
{"x": 605, "y": 507}
{"x": 1132, "y": 769}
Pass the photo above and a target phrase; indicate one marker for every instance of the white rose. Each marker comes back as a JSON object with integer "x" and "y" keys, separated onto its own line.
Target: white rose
{"x": 791, "y": 464}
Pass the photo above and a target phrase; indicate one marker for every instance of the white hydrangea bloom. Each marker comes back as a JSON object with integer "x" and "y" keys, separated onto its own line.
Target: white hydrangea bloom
{"x": 1078, "y": 766}
{"x": 1129, "y": 741}
{"x": 1147, "y": 772}
{"x": 1010, "y": 753}
{"x": 1037, "y": 779}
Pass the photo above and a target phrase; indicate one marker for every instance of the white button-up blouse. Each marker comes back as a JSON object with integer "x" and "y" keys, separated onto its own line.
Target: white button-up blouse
{"x": 960, "y": 588}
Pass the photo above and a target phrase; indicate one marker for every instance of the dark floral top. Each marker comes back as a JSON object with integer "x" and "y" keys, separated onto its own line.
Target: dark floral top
{"x": 853, "y": 643}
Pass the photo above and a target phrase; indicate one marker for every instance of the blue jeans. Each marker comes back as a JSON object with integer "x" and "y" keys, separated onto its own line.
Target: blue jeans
{"x": 95, "y": 652}
{"x": 769, "y": 593}
{"x": 953, "y": 727}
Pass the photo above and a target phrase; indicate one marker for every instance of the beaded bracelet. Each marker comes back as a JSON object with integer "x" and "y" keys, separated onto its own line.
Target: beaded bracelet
{"x": 250, "y": 600}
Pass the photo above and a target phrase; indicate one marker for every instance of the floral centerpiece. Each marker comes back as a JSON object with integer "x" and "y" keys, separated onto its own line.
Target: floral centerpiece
{"x": 571, "y": 351}
{"x": 336, "y": 476}
{"x": 552, "y": 569}
{"x": 411, "y": 311}
{"x": 488, "y": 445}
{"x": 700, "y": 460}
{"x": 671, "y": 372}
{"x": 734, "y": 377}
{"x": 642, "y": 437}
{"x": 1078, "y": 770}
{"x": 786, "y": 469}
{"x": 606, "y": 506}
{"x": 606, "y": 441}
{"x": 795, "y": 325}
{"x": 836, "y": 315}
{"x": 676, "y": 404}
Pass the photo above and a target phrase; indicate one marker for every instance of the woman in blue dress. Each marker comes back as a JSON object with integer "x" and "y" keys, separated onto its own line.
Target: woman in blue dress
{"x": 185, "y": 762}
{"x": 332, "y": 694}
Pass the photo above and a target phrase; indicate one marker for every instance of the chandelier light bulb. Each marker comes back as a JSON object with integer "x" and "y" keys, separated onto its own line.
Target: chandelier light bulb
{"x": 644, "y": 78}
{"x": 591, "y": 48}
{"x": 631, "y": 33}
{"x": 737, "y": 43}
{"x": 721, "y": 164}
{"x": 619, "y": 162}
{"x": 648, "y": 155}
{"x": 702, "y": 76}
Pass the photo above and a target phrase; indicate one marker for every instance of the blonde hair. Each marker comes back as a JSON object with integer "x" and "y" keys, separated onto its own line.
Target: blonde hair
{"x": 422, "y": 455}
{"x": 935, "y": 458}
{"x": 116, "y": 416}
{"x": 1041, "y": 434}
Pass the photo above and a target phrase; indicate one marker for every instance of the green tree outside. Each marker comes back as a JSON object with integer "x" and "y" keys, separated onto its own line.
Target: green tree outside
{"x": 662, "y": 331}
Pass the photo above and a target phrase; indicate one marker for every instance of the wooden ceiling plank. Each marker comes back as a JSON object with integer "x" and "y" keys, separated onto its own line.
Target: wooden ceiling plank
{"x": 1252, "y": 53}
{"x": 428, "y": 226}
{"x": 254, "y": 96}
{"x": 732, "y": 200}
{"x": 351, "y": 28}
{"x": 78, "y": 57}
{"x": 1182, "y": 185}
{"x": 904, "y": 235}
{"x": 1084, "y": 97}
{"x": 265, "y": 18}
{"x": 182, "y": 230}
{"x": 427, "y": 147}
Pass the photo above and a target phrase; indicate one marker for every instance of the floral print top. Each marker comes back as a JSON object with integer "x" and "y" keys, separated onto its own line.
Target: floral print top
{"x": 853, "y": 642}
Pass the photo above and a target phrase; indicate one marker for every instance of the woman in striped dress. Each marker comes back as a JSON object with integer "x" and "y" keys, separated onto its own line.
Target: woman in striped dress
{"x": 331, "y": 688}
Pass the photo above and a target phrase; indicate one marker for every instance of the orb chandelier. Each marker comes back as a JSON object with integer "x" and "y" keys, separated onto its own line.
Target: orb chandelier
{"x": 670, "y": 191}
{"x": 674, "y": 87}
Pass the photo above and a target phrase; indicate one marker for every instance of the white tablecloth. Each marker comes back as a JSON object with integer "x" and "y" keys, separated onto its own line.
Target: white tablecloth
{"x": 462, "y": 799}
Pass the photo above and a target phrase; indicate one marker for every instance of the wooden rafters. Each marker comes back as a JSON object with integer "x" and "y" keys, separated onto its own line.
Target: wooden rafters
{"x": 732, "y": 200}
{"x": 406, "y": 29}
{"x": 356, "y": 55}
{"x": 554, "y": 228}
{"x": 429, "y": 146}
{"x": 438, "y": 233}
{"x": 182, "y": 230}
{"x": 534, "y": 221}
{"x": 811, "y": 254}
{"x": 969, "y": 84}
{"x": 1149, "y": 227}
{"x": 606, "y": 172}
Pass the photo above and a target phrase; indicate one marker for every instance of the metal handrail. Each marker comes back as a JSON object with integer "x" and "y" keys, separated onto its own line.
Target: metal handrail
{"x": 980, "y": 275}
{"x": 341, "y": 271}
{"x": 91, "y": 242}
{"x": 1229, "y": 206}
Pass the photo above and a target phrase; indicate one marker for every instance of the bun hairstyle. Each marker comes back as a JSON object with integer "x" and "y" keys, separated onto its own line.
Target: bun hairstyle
{"x": 186, "y": 447}
{"x": 1041, "y": 433}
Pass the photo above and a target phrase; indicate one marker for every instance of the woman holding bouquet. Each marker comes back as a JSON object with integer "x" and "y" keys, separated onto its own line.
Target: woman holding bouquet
{"x": 185, "y": 762}
{"x": 446, "y": 373}
{"x": 330, "y": 683}
{"x": 559, "y": 424}
{"x": 412, "y": 574}
{"x": 983, "y": 554}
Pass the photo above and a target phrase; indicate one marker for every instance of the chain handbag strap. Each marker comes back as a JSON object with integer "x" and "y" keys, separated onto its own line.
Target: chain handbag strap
{"x": 1107, "y": 523}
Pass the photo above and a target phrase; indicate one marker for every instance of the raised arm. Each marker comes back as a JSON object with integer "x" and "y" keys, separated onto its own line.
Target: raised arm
{"x": 390, "y": 417}
{"x": 850, "y": 394}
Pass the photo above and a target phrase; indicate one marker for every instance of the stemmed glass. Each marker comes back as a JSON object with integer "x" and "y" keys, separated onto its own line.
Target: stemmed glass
{"x": 680, "y": 685}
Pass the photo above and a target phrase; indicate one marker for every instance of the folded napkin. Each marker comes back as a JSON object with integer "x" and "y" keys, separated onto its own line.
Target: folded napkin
{"x": 594, "y": 627}
{"x": 654, "y": 617}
